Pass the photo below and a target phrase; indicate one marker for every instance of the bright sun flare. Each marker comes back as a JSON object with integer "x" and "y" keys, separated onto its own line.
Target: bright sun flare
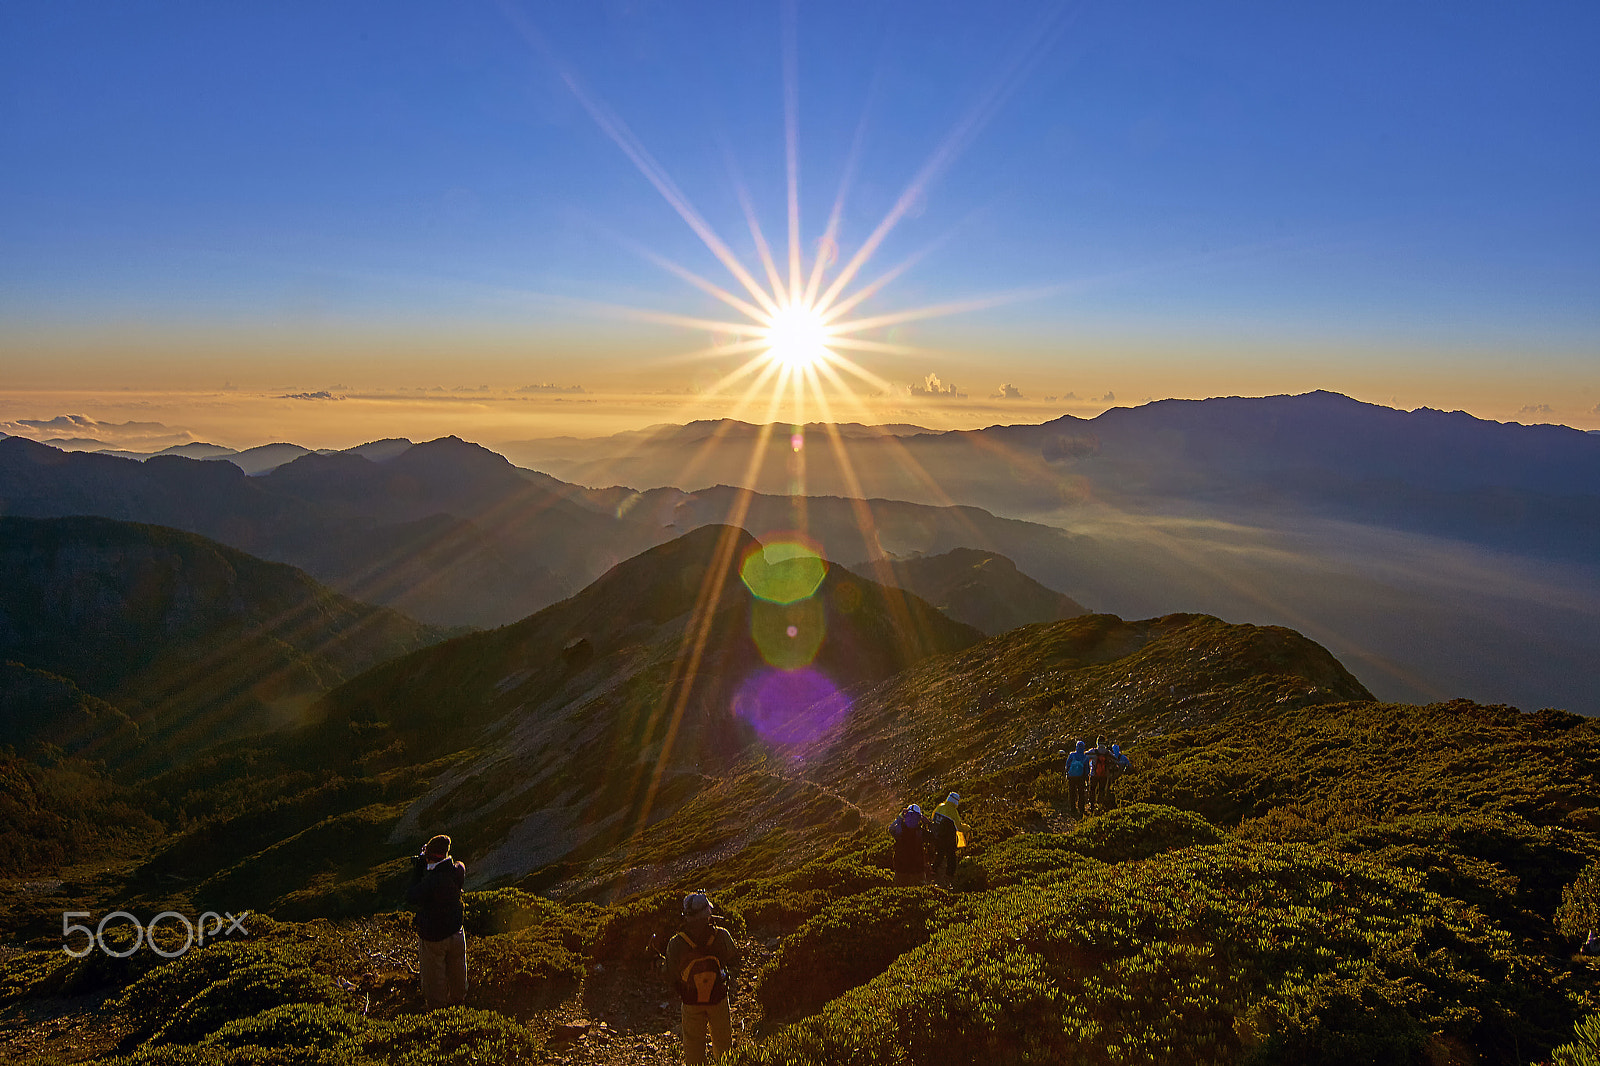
{"x": 796, "y": 337}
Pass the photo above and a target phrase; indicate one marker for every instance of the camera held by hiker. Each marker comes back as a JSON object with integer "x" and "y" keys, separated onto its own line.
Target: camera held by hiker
{"x": 700, "y": 960}
{"x": 436, "y": 883}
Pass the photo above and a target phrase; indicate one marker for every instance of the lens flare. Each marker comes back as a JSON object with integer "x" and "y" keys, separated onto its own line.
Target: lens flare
{"x": 791, "y": 706}
{"x": 789, "y": 635}
{"x": 784, "y": 571}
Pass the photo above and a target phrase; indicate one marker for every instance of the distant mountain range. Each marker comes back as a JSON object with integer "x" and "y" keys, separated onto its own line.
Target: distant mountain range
{"x": 446, "y": 531}
{"x": 1437, "y": 554}
{"x": 1501, "y": 485}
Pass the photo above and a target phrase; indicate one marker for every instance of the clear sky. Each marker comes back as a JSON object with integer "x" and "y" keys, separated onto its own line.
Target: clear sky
{"x": 1393, "y": 200}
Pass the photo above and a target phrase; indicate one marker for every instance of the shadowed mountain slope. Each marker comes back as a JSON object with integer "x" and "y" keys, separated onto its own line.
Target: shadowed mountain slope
{"x": 1292, "y": 872}
{"x": 192, "y": 640}
{"x": 551, "y": 740}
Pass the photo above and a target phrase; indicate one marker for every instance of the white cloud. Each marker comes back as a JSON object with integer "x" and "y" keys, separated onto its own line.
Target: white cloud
{"x": 1109, "y": 397}
{"x": 1535, "y": 410}
{"x": 932, "y": 386}
{"x": 1007, "y": 391}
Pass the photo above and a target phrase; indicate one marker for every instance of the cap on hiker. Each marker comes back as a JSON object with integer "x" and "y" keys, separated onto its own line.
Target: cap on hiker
{"x": 696, "y": 903}
{"x": 438, "y": 847}
{"x": 914, "y": 809}
{"x": 1116, "y": 749}
{"x": 954, "y": 797}
{"x": 1080, "y": 745}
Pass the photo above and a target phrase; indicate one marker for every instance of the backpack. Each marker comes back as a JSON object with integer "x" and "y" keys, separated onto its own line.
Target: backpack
{"x": 944, "y": 831}
{"x": 1076, "y": 763}
{"x": 1097, "y": 763}
{"x": 701, "y": 977}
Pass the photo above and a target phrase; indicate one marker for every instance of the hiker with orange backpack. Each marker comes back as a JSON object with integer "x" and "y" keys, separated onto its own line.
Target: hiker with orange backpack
{"x": 699, "y": 960}
{"x": 1099, "y": 773}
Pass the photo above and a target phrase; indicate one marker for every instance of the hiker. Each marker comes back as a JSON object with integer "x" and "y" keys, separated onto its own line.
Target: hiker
{"x": 949, "y": 833}
{"x": 1099, "y": 773}
{"x": 1078, "y": 779}
{"x": 699, "y": 958}
{"x": 436, "y": 881}
{"x": 910, "y": 840}
{"x": 1120, "y": 764}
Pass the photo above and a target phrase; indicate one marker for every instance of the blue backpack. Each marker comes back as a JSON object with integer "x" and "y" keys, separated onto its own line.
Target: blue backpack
{"x": 1078, "y": 764}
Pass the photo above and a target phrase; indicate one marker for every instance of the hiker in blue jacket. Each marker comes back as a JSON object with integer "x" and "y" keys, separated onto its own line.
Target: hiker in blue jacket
{"x": 1119, "y": 765}
{"x": 1078, "y": 779}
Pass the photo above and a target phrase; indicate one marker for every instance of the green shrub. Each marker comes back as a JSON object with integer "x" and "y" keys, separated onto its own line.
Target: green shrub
{"x": 511, "y": 910}
{"x": 1140, "y": 830}
{"x": 516, "y": 972}
{"x": 154, "y": 998}
{"x": 1207, "y": 955}
{"x": 454, "y": 1035}
{"x": 1584, "y": 1049}
{"x": 1500, "y": 862}
{"x": 293, "y": 1025}
{"x": 1026, "y": 859}
{"x": 623, "y": 934}
{"x": 849, "y": 943}
{"x": 781, "y": 904}
{"x": 24, "y": 971}
{"x": 1579, "y": 912}
{"x": 241, "y": 993}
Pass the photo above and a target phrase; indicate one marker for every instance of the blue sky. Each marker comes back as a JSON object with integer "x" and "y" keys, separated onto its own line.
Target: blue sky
{"x": 1214, "y": 189}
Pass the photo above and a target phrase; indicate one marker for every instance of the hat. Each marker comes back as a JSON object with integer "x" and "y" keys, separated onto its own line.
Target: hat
{"x": 1117, "y": 748}
{"x": 915, "y": 808}
{"x": 438, "y": 847}
{"x": 696, "y": 903}
{"x": 954, "y": 797}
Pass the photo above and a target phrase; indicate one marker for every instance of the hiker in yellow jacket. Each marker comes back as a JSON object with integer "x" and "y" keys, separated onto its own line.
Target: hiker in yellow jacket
{"x": 949, "y": 833}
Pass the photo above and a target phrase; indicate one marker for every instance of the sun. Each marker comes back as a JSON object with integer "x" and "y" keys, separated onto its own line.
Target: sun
{"x": 796, "y": 337}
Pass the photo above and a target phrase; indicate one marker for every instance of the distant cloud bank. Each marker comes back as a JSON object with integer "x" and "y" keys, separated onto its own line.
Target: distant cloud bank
{"x": 323, "y": 395}
{"x": 572, "y": 389}
{"x": 81, "y": 430}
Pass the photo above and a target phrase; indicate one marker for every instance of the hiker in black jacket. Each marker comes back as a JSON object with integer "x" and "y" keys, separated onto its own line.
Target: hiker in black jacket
{"x": 436, "y": 882}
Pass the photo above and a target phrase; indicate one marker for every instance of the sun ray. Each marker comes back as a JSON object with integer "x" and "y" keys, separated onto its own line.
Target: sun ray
{"x": 862, "y": 345}
{"x": 830, "y": 234}
{"x": 704, "y": 285}
{"x": 954, "y": 307}
{"x": 763, "y": 249}
{"x": 1033, "y": 48}
{"x": 716, "y": 350}
{"x": 791, "y": 138}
